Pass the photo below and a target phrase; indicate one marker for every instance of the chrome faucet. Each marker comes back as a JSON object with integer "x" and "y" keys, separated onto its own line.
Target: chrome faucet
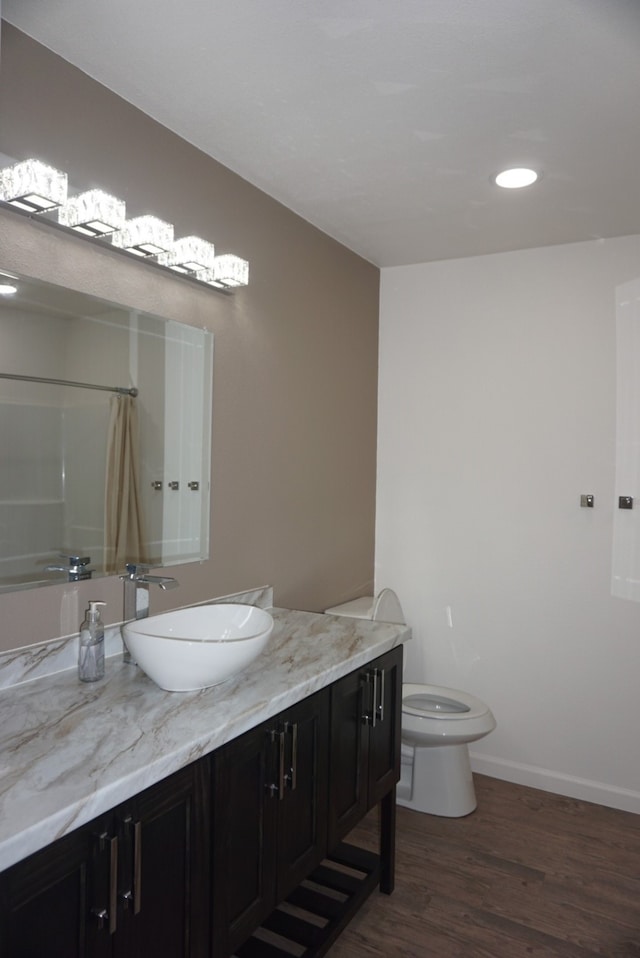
{"x": 77, "y": 567}
{"x": 136, "y": 593}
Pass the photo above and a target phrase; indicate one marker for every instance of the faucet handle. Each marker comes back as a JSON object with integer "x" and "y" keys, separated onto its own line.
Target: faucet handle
{"x": 75, "y": 560}
{"x": 134, "y": 569}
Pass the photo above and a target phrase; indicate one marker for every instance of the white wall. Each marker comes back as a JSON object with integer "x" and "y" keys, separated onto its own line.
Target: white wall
{"x": 497, "y": 409}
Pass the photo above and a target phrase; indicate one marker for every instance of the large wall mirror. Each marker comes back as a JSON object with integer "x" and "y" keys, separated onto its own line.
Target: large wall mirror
{"x": 105, "y": 430}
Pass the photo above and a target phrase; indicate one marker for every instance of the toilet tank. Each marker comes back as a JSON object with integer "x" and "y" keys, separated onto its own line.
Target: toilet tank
{"x": 385, "y": 607}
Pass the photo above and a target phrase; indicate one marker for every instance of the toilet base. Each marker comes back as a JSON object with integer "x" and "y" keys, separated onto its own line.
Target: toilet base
{"x": 438, "y": 781}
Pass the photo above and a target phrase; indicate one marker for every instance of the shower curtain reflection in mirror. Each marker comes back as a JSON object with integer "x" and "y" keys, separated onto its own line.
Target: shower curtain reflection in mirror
{"x": 124, "y": 533}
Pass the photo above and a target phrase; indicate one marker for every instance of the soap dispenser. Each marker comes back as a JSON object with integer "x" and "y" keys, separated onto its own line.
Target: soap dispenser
{"x": 91, "y": 649}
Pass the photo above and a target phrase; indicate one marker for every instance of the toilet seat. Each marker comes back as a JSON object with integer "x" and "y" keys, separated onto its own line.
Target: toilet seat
{"x": 442, "y": 703}
{"x": 436, "y": 704}
{"x": 456, "y": 717}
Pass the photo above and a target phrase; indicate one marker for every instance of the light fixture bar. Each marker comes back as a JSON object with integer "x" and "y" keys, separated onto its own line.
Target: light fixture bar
{"x": 93, "y": 213}
{"x": 33, "y": 186}
{"x": 188, "y": 255}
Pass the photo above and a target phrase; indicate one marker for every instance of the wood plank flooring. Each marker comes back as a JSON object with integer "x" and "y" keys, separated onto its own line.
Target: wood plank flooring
{"x": 528, "y": 875}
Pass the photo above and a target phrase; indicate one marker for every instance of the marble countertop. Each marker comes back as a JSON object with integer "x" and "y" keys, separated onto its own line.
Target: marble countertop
{"x": 70, "y": 751}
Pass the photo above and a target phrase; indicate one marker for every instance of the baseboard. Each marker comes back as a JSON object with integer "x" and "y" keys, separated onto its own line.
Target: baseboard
{"x": 581, "y": 788}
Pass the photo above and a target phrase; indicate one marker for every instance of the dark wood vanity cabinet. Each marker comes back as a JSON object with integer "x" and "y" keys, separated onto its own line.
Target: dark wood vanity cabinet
{"x": 278, "y": 850}
{"x": 269, "y": 817}
{"x": 130, "y": 884}
{"x": 200, "y": 864}
{"x": 364, "y": 746}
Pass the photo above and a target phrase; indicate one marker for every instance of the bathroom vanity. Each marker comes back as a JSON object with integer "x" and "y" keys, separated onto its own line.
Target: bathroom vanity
{"x": 141, "y": 822}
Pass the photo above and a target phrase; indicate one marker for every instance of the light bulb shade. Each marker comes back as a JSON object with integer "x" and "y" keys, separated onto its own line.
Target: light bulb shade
{"x": 228, "y": 270}
{"x": 93, "y": 213}
{"x": 144, "y": 236}
{"x": 33, "y": 186}
{"x": 188, "y": 255}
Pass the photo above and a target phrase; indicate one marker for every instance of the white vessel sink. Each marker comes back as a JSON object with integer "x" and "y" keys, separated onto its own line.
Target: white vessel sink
{"x": 199, "y": 647}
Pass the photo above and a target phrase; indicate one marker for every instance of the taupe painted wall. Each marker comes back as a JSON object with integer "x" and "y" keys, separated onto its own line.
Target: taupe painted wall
{"x": 295, "y": 370}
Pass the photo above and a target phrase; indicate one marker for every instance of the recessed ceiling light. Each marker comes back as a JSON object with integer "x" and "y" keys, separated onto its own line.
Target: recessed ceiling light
{"x": 516, "y": 178}
{"x": 7, "y": 289}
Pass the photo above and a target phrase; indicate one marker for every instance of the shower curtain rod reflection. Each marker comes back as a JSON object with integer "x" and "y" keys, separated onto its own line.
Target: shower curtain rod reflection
{"x": 122, "y": 390}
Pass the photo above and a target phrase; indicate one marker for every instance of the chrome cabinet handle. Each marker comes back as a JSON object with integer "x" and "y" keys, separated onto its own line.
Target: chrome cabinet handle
{"x": 133, "y": 895}
{"x": 291, "y": 777}
{"x": 277, "y": 788}
{"x": 380, "y": 703}
{"x": 374, "y": 714}
{"x": 101, "y": 913}
{"x": 367, "y": 714}
{"x": 374, "y": 697}
{"x": 174, "y": 486}
{"x": 194, "y": 486}
{"x": 281, "y": 763}
{"x": 137, "y": 867}
{"x": 113, "y": 885}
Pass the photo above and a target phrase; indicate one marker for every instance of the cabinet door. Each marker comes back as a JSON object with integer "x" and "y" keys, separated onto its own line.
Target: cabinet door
{"x": 347, "y": 755}
{"x": 302, "y": 816}
{"x": 384, "y": 735}
{"x": 244, "y": 811}
{"x": 163, "y": 871}
{"x": 56, "y": 903}
{"x": 364, "y": 754}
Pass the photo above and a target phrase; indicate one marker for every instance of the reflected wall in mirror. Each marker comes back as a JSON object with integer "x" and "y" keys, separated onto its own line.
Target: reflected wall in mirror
{"x": 78, "y": 475}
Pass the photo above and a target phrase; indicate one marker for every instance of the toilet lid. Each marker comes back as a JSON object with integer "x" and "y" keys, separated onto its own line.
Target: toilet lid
{"x": 434, "y": 703}
{"x": 387, "y": 608}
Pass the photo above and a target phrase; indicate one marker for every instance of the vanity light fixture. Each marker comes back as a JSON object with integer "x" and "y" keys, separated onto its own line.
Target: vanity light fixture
{"x": 8, "y": 289}
{"x": 33, "y": 186}
{"x": 144, "y": 236}
{"x": 516, "y": 178}
{"x": 189, "y": 254}
{"x": 93, "y": 213}
{"x": 228, "y": 271}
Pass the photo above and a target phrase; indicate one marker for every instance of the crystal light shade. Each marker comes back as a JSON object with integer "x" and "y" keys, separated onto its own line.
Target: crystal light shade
{"x": 188, "y": 255}
{"x": 228, "y": 270}
{"x": 93, "y": 213}
{"x": 33, "y": 186}
{"x": 144, "y": 236}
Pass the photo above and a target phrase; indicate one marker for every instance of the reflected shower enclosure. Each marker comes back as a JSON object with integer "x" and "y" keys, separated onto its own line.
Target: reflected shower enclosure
{"x": 105, "y": 426}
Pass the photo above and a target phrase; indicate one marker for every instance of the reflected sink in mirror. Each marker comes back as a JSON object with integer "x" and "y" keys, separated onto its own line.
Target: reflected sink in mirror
{"x": 195, "y": 648}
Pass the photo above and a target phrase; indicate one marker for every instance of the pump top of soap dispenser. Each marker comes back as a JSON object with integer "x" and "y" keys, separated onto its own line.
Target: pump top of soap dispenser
{"x": 93, "y": 612}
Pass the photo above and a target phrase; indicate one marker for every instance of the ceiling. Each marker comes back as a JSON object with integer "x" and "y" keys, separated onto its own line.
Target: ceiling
{"x": 382, "y": 121}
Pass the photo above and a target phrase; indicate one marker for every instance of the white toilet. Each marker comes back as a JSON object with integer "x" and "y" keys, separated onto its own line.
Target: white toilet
{"x": 437, "y": 725}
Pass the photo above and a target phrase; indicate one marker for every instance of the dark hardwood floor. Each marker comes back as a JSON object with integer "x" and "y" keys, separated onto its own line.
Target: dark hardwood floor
{"x": 527, "y": 874}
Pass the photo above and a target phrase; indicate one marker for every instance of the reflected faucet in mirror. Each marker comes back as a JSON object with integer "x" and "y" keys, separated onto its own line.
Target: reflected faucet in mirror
{"x": 136, "y": 594}
{"x": 77, "y": 567}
